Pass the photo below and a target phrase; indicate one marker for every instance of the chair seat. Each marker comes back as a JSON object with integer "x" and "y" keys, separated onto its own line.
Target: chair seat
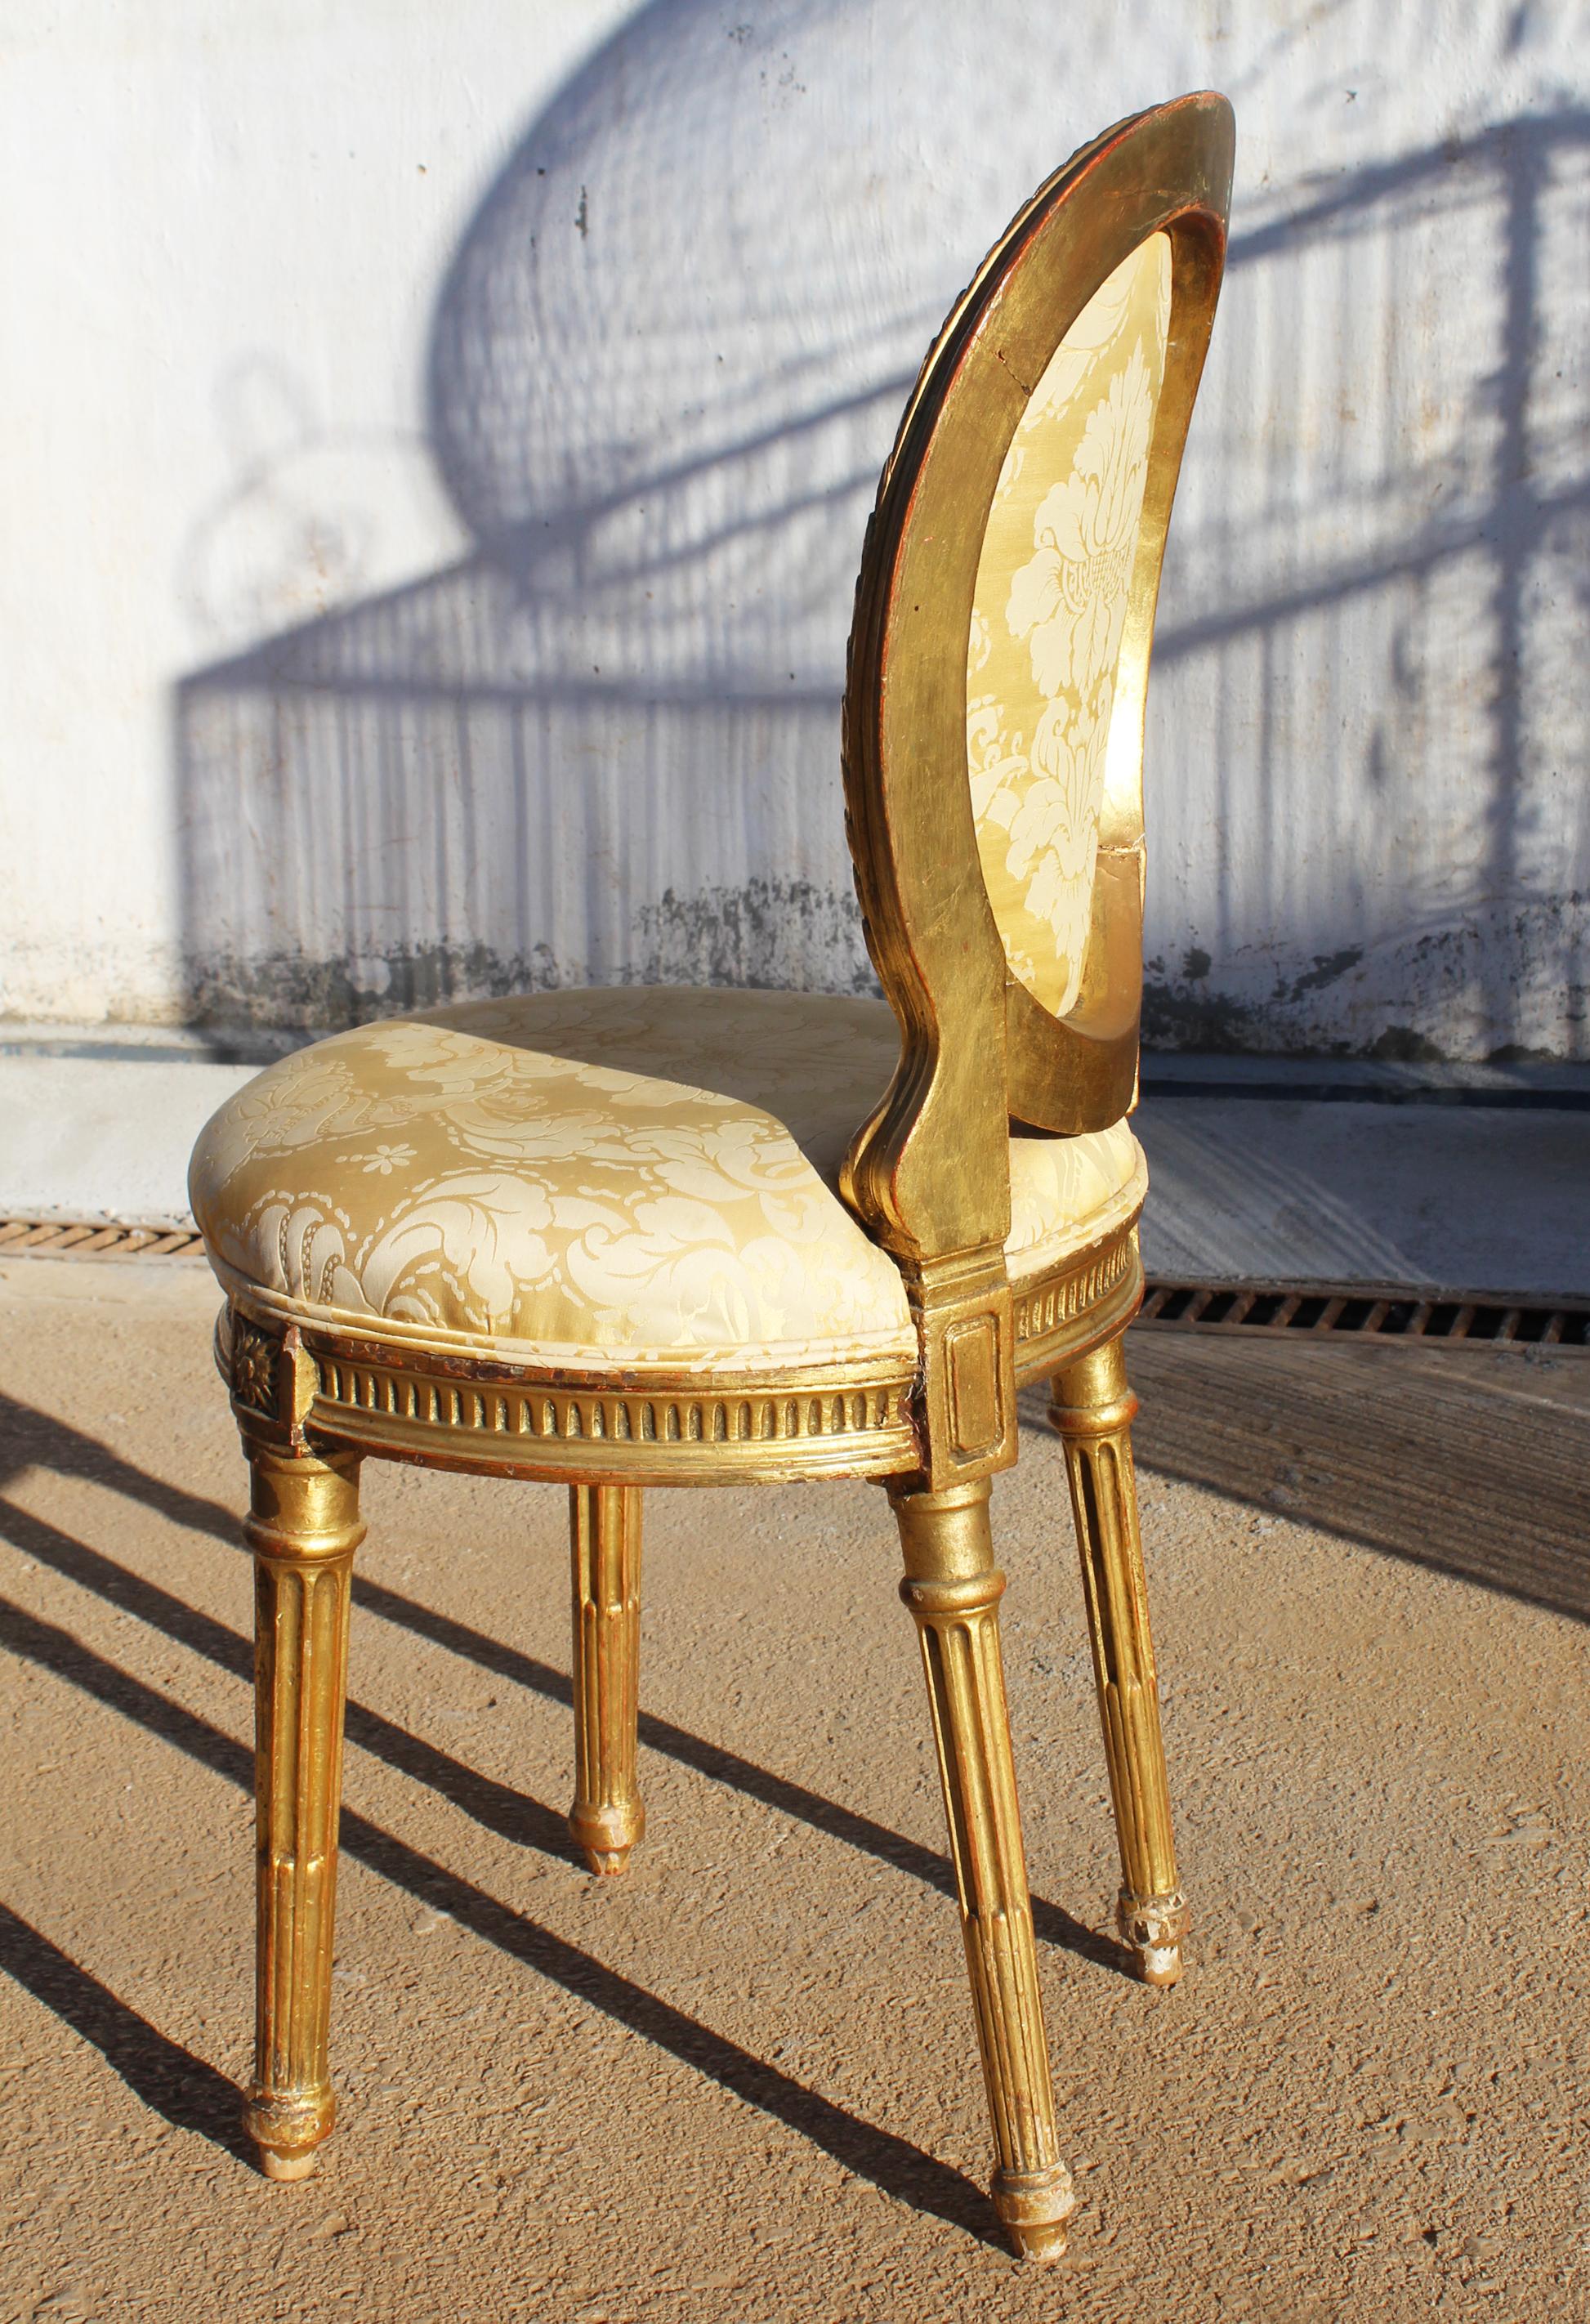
{"x": 634, "y": 1177}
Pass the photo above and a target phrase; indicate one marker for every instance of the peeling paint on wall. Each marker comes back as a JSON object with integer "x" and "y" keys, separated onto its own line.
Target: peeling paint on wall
{"x": 1437, "y": 993}
{"x": 767, "y": 933}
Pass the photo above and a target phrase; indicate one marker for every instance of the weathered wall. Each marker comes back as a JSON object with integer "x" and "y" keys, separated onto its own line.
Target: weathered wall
{"x": 436, "y": 446}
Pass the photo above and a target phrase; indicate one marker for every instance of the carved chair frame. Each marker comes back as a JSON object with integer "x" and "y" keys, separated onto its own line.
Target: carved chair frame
{"x": 928, "y": 1176}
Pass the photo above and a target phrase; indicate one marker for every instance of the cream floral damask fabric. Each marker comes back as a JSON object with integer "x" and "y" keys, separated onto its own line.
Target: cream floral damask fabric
{"x": 642, "y": 1175}
{"x": 1047, "y": 619}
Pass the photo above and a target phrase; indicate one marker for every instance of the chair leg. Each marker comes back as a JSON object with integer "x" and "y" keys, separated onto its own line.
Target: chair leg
{"x": 1092, "y": 1405}
{"x": 303, "y": 1527}
{"x": 953, "y": 1589}
{"x": 607, "y": 1818}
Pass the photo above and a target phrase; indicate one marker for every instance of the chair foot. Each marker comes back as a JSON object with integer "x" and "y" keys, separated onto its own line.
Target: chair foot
{"x": 288, "y": 2133}
{"x": 605, "y": 1835}
{"x": 1152, "y": 1929}
{"x": 283, "y": 2169}
{"x": 1035, "y": 2209}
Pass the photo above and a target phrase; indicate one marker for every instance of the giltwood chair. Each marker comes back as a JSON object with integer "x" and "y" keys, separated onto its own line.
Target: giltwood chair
{"x": 630, "y": 1238}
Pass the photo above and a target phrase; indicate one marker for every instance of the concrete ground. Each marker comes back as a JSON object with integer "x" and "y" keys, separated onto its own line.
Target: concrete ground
{"x": 741, "y": 2084}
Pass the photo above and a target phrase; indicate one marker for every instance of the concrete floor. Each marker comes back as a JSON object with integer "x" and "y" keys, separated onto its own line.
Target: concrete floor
{"x": 740, "y": 2084}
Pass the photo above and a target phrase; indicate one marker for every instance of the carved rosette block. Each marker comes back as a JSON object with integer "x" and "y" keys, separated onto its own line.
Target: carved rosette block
{"x": 273, "y": 1379}
{"x": 953, "y": 1589}
{"x": 1092, "y": 1407}
{"x": 303, "y": 1527}
{"x": 607, "y": 1818}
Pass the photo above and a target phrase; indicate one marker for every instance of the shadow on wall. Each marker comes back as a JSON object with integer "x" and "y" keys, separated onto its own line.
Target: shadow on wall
{"x": 603, "y": 746}
{"x": 665, "y": 366}
{"x": 1374, "y": 622}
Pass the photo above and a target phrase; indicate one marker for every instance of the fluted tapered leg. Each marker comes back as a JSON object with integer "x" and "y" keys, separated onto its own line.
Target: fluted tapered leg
{"x": 953, "y": 1589}
{"x": 303, "y": 1527}
{"x": 1092, "y": 1407}
{"x": 607, "y": 1818}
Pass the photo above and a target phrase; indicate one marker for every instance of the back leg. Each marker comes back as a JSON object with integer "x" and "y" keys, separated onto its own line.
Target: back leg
{"x": 607, "y": 1818}
{"x": 1092, "y": 1407}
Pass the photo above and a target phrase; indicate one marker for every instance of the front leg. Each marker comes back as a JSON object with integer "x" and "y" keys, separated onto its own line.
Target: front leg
{"x": 953, "y": 1589}
{"x": 303, "y": 1527}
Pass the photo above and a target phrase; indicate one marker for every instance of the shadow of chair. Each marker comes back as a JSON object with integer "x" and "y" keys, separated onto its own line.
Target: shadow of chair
{"x": 1416, "y": 1452}
{"x": 634, "y": 1237}
{"x": 34, "y": 1437}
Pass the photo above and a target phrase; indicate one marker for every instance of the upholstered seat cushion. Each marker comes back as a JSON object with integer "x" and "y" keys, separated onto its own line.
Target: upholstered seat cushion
{"x": 633, "y": 1176}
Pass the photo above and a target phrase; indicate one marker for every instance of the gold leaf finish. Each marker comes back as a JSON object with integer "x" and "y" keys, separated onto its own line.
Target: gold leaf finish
{"x": 669, "y": 1432}
{"x": 624, "y": 1239}
{"x": 607, "y": 1818}
{"x": 303, "y": 1527}
{"x": 953, "y": 1589}
{"x": 1092, "y": 1407}
{"x": 1064, "y": 1314}
{"x": 916, "y": 1170}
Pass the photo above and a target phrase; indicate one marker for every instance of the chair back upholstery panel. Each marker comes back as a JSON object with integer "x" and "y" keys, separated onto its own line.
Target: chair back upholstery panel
{"x": 1048, "y": 618}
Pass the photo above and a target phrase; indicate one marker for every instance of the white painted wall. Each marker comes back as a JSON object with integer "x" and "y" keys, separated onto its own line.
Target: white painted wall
{"x": 221, "y": 233}
{"x": 435, "y": 446}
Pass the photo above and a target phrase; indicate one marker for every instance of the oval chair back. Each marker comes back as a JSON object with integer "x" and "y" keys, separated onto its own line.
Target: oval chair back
{"x": 998, "y": 670}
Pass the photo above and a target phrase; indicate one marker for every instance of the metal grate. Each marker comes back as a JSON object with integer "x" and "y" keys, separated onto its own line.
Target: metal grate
{"x": 96, "y": 1239}
{"x": 1367, "y": 1311}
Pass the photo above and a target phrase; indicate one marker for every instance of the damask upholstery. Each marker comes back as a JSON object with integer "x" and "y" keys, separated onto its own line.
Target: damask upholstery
{"x": 1047, "y": 618}
{"x": 629, "y": 1176}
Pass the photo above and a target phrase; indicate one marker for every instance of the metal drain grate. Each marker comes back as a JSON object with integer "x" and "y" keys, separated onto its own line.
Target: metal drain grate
{"x": 96, "y": 1239}
{"x": 1367, "y": 1311}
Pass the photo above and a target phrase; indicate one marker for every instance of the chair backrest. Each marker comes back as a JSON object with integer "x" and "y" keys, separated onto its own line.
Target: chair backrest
{"x": 999, "y": 668}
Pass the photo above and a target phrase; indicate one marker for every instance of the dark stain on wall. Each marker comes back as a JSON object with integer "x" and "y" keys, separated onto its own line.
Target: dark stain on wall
{"x": 1175, "y": 1017}
{"x": 754, "y": 936}
{"x": 1400, "y": 1045}
{"x": 1328, "y": 967}
{"x": 763, "y": 935}
{"x": 289, "y": 989}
